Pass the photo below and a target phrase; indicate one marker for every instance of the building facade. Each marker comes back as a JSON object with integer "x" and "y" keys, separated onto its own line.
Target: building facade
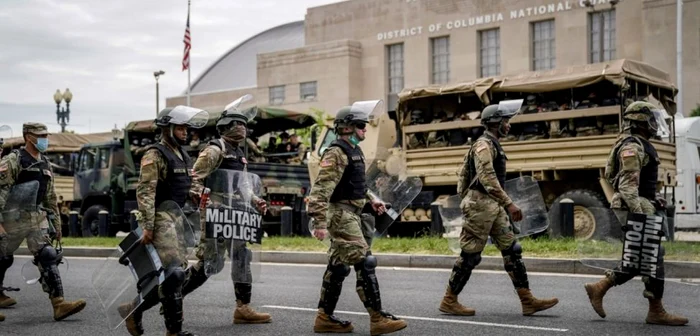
{"x": 372, "y": 49}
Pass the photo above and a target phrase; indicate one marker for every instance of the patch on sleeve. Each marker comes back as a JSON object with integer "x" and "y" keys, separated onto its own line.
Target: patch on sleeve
{"x": 481, "y": 147}
{"x": 326, "y": 163}
{"x": 628, "y": 153}
{"x": 4, "y": 167}
{"x": 146, "y": 161}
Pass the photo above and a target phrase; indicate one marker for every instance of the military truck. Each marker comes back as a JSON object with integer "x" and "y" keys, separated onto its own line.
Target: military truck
{"x": 568, "y": 161}
{"x": 108, "y": 172}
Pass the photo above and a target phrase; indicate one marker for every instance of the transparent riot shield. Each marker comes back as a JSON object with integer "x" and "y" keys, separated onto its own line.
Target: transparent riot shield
{"x": 134, "y": 270}
{"x": 525, "y": 193}
{"x": 5, "y": 133}
{"x": 233, "y": 225}
{"x": 637, "y": 246}
{"x": 22, "y": 197}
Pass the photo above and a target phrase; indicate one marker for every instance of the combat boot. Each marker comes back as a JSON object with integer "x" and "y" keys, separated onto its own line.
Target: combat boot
{"x": 132, "y": 322}
{"x": 382, "y": 322}
{"x": 330, "y": 324}
{"x": 658, "y": 315}
{"x": 6, "y": 301}
{"x": 532, "y": 304}
{"x": 2, "y": 317}
{"x": 596, "y": 292}
{"x": 244, "y": 314}
{"x": 63, "y": 309}
{"x": 450, "y": 305}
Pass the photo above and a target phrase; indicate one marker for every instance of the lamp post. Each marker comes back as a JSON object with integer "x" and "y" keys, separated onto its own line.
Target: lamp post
{"x": 157, "y": 74}
{"x": 63, "y": 114}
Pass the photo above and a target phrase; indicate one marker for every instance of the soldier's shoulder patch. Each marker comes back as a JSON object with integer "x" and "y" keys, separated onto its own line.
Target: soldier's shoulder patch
{"x": 628, "y": 153}
{"x": 481, "y": 146}
{"x": 326, "y": 163}
{"x": 146, "y": 161}
{"x": 4, "y": 167}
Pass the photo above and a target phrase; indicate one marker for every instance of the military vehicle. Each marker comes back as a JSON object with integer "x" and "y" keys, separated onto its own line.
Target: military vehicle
{"x": 566, "y": 164}
{"x": 108, "y": 172}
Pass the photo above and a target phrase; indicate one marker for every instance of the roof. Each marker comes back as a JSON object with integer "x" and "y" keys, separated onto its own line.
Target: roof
{"x": 64, "y": 142}
{"x": 479, "y": 87}
{"x": 238, "y": 68}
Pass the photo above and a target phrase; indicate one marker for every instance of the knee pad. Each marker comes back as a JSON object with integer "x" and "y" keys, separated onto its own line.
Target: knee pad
{"x": 339, "y": 271}
{"x": 515, "y": 250}
{"x": 370, "y": 262}
{"x": 6, "y": 261}
{"x": 174, "y": 280}
{"x": 47, "y": 256}
{"x": 471, "y": 260}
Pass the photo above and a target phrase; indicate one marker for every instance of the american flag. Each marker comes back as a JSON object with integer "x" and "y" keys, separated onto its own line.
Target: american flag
{"x": 186, "y": 40}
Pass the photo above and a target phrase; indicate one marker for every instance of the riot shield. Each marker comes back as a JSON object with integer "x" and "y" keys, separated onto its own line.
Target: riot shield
{"x": 22, "y": 197}
{"x": 638, "y": 246}
{"x": 233, "y": 225}
{"x": 525, "y": 193}
{"x": 5, "y": 133}
{"x": 133, "y": 270}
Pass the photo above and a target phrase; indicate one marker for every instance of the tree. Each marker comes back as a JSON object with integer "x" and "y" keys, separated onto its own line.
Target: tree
{"x": 305, "y": 133}
{"x": 696, "y": 111}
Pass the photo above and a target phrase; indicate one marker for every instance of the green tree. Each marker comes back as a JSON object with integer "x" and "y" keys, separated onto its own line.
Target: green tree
{"x": 305, "y": 133}
{"x": 696, "y": 111}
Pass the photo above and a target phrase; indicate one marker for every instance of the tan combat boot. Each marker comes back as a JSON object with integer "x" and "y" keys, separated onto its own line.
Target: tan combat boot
{"x": 596, "y": 292}
{"x": 6, "y": 301}
{"x": 330, "y": 324}
{"x": 450, "y": 305}
{"x": 2, "y": 317}
{"x": 382, "y": 323}
{"x": 133, "y": 326}
{"x": 532, "y": 304}
{"x": 63, "y": 309}
{"x": 244, "y": 314}
{"x": 658, "y": 315}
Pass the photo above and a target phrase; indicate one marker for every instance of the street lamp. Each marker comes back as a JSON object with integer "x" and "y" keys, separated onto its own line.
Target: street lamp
{"x": 157, "y": 74}
{"x": 62, "y": 115}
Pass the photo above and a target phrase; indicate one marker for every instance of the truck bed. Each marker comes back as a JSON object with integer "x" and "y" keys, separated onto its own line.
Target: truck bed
{"x": 285, "y": 174}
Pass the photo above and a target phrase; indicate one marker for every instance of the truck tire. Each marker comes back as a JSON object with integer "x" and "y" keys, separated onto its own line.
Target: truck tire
{"x": 592, "y": 218}
{"x": 90, "y": 222}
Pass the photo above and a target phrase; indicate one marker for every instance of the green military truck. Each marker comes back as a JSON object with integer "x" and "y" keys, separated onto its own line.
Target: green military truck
{"x": 107, "y": 172}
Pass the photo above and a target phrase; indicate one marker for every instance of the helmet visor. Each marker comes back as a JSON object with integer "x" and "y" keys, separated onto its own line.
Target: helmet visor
{"x": 509, "y": 108}
{"x": 5, "y": 132}
{"x": 370, "y": 109}
{"x": 658, "y": 124}
{"x": 190, "y": 116}
{"x": 235, "y": 108}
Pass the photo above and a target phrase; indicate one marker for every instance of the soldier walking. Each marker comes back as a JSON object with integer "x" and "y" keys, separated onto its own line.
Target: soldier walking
{"x": 632, "y": 170}
{"x": 481, "y": 184}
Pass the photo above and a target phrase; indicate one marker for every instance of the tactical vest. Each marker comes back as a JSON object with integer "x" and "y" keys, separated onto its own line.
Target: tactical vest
{"x": 33, "y": 170}
{"x": 176, "y": 186}
{"x": 233, "y": 156}
{"x": 648, "y": 175}
{"x": 499, "y": 165}
{"x": 352, "y": 184}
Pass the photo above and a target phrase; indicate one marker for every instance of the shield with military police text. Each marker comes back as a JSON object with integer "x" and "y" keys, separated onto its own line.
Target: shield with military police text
{"x": 133, "y": 270}
{"x": 637, "y": 246}
{"x": 525, "y": 193}
{"x": 233, "y": 224}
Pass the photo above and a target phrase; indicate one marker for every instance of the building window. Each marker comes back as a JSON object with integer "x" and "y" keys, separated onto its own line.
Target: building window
{"x": 395, "y": 59}
{"x": 543, "y": 45}
{"x": 307, "y": 91}
{"x": 276, "y": 95}
{"x": 602, "y": 36}
{"x": 441, "y": 59}
{"x": 490, "y": 46}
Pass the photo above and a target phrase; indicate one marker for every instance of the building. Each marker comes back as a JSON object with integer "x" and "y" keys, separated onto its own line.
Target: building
{"x": 370, "y": 49}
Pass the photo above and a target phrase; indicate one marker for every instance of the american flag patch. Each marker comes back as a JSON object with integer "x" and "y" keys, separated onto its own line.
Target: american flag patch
{"x": 326, "y": 163}
{"x": 628, "y": 153}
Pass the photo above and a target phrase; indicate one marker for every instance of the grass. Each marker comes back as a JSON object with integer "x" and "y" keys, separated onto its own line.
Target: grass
{"x": 560, "y": 248}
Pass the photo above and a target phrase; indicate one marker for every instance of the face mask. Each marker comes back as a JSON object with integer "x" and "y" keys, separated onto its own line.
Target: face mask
{"x": 237, "y": 133}
{"x": 354, "y": 140}
{"x": 42, "y": 144}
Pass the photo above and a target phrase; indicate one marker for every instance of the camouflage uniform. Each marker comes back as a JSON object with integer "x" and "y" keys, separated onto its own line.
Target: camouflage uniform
{"x": 29, "y": 222}
{"x": 632, "y": 170}
{"x": 253, "y": 151}
{"x": 481, "y": 184}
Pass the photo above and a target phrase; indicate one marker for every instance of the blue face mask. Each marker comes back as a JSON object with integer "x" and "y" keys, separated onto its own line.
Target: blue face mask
{"x": 354, "y": 140}
{"x": 42, "y": 144}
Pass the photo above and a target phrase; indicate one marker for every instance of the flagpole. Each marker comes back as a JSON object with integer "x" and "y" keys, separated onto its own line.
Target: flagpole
{"x": 189, "y": 66}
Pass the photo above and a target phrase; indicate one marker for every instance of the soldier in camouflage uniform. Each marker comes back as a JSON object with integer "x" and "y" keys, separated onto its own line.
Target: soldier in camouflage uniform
{"x": 632, "y": 170}
{"x": 223, "y": 153}
{"x": 297, "y": 147}
{"x": 22, "y": 166}
{"x": 165, "y": 176}
{"x": 335, "y": 203}
{"x": 481, "y": 184}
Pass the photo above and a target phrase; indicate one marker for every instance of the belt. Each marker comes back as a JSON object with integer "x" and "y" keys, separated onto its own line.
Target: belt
{"x": 350, "y": 208}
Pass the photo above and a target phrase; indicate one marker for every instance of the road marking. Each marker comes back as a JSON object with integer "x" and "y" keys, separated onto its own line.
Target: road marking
{"x": 429, "y": 319}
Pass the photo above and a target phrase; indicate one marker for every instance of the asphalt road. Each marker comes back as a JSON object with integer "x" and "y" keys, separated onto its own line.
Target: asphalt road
{"x": 290, "y": 294}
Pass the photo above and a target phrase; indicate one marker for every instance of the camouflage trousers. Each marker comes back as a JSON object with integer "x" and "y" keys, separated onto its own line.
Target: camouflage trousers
{"x": 29, "y": 226}
{"x": 348, "y": 244}
{"x": 484, "y": 217}
{"x": 169, "y": 240}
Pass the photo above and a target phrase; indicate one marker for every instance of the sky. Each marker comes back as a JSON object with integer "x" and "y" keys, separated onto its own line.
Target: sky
{"x": 105, "y": 52}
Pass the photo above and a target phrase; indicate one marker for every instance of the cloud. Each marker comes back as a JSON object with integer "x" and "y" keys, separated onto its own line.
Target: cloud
{"x": 106, "y": 52}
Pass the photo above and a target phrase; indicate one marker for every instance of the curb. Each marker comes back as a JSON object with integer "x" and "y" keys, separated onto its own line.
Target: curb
{"x": 688, "y": 269}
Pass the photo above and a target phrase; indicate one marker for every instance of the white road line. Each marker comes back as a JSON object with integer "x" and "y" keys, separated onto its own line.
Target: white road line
{"x": 430, "y": 319}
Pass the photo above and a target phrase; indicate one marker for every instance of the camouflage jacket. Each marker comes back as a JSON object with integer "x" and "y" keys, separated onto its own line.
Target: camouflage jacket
{"x": 9, "y": 171}
{"x": 631, "y": 158}
{"x": 482, "y": 152}
{"x": 154, "y": 168}
{"x": 332, "y": 166}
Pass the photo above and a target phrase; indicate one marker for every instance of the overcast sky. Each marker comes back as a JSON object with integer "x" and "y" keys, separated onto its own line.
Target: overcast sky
{"x": 106, "y": 52}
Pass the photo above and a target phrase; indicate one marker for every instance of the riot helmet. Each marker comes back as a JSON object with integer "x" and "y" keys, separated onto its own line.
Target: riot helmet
{"x": 234, "y": 120}
{"x": 180, "y": 115}
{"x": 643, "y": 116}
{"x": 497, "y": 114}
{"x": 356, "y": 118}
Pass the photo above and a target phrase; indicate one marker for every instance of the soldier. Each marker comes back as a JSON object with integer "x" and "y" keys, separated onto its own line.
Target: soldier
{"x": 416, "y": 140}
{"x": 297, "y": 147}
{"x": 165, "y": 176}
{"x": 335, "y": 203}
{"x": 22, "y": 166}
{"x": 632, "y": 170}
{"x": 484, "y": 204}
{"x": 223, "y": 153}
{"x": 533, "y": 130}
